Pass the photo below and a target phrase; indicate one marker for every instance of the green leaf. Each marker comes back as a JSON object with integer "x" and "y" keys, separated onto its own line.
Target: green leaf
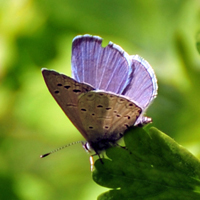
{"x": 152, "y": 166}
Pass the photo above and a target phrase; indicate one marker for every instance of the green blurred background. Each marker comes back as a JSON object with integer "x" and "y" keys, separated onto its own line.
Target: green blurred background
{"x": 38, "y": 33}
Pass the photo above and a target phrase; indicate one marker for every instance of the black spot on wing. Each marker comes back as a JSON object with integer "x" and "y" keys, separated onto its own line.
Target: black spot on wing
{"x": 76, "y": 91}
{"x": 67, "y": 86}
{"x": 127, "y": 116}
{"x": 127, "y": 126}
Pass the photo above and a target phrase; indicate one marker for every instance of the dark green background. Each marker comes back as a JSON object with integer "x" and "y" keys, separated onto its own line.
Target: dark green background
{"x": 38, "y": 33}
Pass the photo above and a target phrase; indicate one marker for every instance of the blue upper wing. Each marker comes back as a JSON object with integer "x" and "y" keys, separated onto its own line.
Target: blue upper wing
{"x": 143, "y": 85}
{"x": 104, "y": 68}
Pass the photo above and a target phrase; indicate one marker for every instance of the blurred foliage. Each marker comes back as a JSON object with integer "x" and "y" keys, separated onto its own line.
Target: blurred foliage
{"x": 38, "y": 33}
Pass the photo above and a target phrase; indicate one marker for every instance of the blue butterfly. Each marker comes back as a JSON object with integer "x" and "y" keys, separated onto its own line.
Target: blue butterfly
{"x": 109, "y": 91}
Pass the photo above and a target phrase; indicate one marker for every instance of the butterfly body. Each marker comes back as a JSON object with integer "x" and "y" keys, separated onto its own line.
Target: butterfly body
{"x": 109, "y": 91}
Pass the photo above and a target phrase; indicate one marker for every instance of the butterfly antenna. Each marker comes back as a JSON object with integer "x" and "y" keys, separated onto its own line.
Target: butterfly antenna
{"x": 60, "y": 148}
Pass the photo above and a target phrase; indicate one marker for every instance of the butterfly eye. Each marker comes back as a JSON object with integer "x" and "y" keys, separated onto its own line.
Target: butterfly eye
{"x": 87, "y": 146}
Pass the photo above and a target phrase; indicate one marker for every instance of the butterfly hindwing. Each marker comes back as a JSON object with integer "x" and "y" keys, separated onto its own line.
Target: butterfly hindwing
{"x": 143, "y": 83}
{"x": 105, "y": 116}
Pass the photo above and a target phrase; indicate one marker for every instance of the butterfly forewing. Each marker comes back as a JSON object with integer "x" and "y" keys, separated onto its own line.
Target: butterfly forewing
{"x": 65, "y": 91}
{"x": 104, "y": 68}
{"x": 105, "y": 116}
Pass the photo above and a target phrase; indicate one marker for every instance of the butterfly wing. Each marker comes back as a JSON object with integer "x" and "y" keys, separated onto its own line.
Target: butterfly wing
{"x": 143, "y": 82}
{"x": 143, "y": 86}
{"x": 66, "y": 91}
{"x": 105, "y": 116}
{"x": 104, "y": 68}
